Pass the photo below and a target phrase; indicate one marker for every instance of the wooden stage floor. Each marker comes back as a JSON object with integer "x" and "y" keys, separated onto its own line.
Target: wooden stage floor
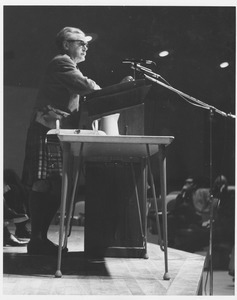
{"x": 34, "y": 275}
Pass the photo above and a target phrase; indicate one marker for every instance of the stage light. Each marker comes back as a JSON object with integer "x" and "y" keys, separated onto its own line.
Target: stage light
{"x": 163, "y": 53}
{"x": 224, "y": 65}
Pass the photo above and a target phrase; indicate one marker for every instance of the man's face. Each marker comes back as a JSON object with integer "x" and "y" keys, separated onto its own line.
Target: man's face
{"x": 188, "y": 184}
{"x": 76, "y": 46}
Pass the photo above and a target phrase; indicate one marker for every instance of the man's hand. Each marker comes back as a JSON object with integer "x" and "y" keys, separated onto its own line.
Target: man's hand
{"x": 127, "y": 79}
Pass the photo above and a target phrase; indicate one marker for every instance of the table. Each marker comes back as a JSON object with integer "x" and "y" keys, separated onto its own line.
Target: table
{"x": 87, "y": 144}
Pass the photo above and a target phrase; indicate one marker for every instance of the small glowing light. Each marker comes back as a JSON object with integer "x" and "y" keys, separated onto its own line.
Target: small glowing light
{"x": 163, "y": 53}
{"x": 224, "y": 65}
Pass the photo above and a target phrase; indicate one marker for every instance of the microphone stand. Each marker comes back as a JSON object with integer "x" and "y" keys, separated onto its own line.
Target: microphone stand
{"x": 150, "y": 75}
{"x": 154, "y": 77}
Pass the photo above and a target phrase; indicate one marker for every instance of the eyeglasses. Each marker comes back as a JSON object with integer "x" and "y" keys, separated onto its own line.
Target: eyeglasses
{"x": 80, "y": 42}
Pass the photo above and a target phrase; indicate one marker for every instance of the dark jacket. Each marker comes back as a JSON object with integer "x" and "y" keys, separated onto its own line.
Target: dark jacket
{"x": 60, "y": 90}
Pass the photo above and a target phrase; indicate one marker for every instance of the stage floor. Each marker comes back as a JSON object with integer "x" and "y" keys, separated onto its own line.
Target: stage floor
{"x": 34, "y": 275}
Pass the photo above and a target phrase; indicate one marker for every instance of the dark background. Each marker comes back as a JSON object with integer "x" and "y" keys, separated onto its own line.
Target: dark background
{"x": 198, "y": 38}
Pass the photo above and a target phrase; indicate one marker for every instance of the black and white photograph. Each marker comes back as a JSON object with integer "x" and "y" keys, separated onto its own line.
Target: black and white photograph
{"x": 118, "y": 148}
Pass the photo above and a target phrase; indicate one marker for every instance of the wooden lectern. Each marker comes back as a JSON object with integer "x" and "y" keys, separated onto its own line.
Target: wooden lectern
{"x": 113, "y": 220}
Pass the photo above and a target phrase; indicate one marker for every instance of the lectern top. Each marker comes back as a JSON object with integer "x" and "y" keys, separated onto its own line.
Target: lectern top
{"x": 98, "y": 136}
{"x": 99, "y": 145}
{"x": 116, "y": 98}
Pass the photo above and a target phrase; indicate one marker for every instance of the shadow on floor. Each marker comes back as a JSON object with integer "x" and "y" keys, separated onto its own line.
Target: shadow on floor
{"x": 73, "y": 263}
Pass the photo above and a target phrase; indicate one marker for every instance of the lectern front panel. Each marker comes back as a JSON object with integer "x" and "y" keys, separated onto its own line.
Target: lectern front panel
{"x": 112, "y": 224}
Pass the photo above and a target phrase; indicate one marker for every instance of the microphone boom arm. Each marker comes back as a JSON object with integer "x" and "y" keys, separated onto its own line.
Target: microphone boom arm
{"x": 149, "y": 74}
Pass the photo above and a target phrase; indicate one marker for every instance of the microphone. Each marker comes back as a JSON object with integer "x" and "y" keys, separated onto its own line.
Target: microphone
{"x": 146, "y": 71}
{"x": 137, "y": 61}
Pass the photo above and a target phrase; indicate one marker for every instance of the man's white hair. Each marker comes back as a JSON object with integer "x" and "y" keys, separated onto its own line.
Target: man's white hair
{"x": 65, "y": 34}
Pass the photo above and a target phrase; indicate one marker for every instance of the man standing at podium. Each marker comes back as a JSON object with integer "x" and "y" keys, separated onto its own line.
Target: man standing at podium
{"x": 58, "y": 99}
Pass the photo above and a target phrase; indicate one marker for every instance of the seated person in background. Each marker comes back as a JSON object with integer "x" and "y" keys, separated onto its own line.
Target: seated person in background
{"x": 189, "y": 222}
{"x": 225, "y": 228}
{"x": 11, "y": 216}
{"x": 225, "y": 221}
{"x": 186, "y": 223}
{"x": 184, "y": 212}
{"x": 16, "y": 198}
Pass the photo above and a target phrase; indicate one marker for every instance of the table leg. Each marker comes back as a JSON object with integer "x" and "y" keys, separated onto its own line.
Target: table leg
{"x": 144, "y": 202}
{"x": 66, "y": 153}
{"x": 162, "y": 168}
{"x": 138, "y": 205}
{"x": 160, "y": 241}
{"x": 75, "y": 179}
